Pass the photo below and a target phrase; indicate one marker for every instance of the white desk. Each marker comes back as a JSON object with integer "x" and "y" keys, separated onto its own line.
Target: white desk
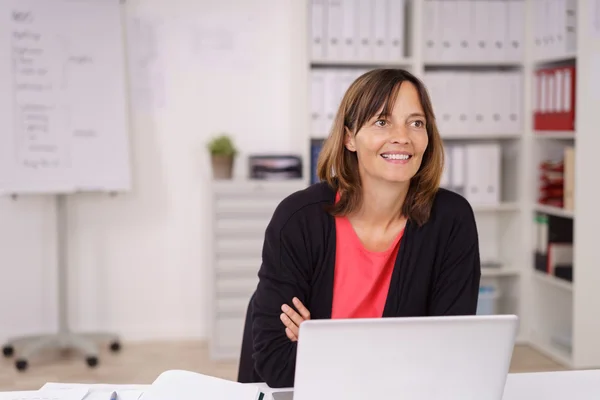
{"x": 562, "y": 385}
{"x": 567, "y": 385}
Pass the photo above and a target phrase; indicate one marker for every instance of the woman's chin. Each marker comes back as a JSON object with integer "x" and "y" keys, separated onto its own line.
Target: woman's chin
{"x": 397, "y": 178}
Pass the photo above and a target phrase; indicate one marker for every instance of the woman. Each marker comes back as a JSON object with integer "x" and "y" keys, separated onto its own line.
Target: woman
{"x": 376, "y": 238}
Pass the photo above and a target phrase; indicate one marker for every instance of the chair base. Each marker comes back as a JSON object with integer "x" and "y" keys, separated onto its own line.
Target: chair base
{"x": 84, "y": 343}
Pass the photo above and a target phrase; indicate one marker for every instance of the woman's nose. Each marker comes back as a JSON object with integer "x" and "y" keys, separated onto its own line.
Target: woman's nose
{"x": 400, "y": 135}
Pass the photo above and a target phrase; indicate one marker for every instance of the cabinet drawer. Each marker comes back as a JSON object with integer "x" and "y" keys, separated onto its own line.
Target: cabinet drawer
{"x": 240, "y": 246}
{"x": 228, "y": 333}
{"x": 232, "y": 307}
{"x": 236, "y": 286}
{"x": 232, "y": 226}
{"x": 256, "y": 198}
{"x": 246, "y": 204}
{"x": 243, "y": 266}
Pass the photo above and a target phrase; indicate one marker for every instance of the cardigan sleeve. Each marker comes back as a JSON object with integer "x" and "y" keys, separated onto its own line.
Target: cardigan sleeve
{"x": 456, "y": 287}
{"x": 282, "y": 276}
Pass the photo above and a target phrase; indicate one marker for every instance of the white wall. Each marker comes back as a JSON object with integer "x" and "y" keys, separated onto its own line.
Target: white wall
{"x": 140, "y": 262}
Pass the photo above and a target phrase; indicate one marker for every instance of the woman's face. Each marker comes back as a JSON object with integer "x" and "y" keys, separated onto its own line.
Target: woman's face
{"x": 391, "y": 149}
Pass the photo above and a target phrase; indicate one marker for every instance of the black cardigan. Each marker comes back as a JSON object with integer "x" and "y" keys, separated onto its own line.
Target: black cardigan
{"x": 437, "y": 272}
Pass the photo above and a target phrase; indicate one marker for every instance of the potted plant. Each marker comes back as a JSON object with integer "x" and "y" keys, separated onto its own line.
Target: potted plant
{"x": 222, "y": 152}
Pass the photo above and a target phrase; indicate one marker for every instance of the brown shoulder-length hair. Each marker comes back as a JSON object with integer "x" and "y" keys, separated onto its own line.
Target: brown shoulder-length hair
{"x": 374, "y": 91}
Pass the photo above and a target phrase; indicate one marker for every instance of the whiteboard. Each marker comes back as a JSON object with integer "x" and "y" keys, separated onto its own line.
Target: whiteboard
{"x": 63, "y": 105}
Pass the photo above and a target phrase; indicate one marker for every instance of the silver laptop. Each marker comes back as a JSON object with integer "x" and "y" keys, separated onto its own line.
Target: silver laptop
{"x": 420, "y": 358}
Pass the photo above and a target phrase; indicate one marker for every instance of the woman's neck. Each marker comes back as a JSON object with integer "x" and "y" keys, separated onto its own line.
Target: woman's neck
{"x": 382, "y": 203}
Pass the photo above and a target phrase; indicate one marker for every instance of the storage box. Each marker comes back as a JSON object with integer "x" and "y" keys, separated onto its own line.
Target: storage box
{"x": 488, "y": 300}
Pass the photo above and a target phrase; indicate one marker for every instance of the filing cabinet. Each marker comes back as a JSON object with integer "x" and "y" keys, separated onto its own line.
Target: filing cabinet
{"x": 241, "y": 212}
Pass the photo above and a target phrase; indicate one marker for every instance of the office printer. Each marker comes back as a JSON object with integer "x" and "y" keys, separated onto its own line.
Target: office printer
{"x": 275, "y": 167}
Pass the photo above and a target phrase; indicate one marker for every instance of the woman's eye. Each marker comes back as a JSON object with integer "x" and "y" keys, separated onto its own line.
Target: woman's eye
{"x": 419, "y": 124}
{"x": 380, "y": 122}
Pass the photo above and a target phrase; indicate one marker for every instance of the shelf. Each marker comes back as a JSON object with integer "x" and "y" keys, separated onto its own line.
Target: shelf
{"x": 462, "y": 136}
{"x": 499, "y": 272}
{"x": 568, "y": 57}
{"x": 479, "y": 208}
{"x": 473, "y": 64}
{"x": 237, "y": 185}
{"x": 566, "y": 135}
{"x": 556, "y": 211}
{"x": 551, "y": 280}
{"x": 548, "y": 305}
{"x": 406, "y": 62}
{"x": 481, "y": 136}
{"x": 558, "y": 354}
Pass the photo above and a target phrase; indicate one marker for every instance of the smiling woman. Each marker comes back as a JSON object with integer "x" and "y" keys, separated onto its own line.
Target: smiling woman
{"x": 375, "y": 238}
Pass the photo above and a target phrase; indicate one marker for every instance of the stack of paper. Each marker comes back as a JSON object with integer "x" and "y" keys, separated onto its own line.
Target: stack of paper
{"x": 170, "y": 385}
{"x": 186, "y": 385}
{"x": 97, "y": 391}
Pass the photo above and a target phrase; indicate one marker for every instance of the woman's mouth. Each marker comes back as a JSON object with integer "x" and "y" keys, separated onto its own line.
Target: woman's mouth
{"x": 397, "y": 158}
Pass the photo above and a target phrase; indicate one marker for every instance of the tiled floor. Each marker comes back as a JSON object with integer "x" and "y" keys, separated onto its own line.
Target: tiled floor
{"x": 143, "y": 362}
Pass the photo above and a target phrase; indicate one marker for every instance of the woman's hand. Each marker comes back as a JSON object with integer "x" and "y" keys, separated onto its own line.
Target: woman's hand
{"x": 292, "y": 319}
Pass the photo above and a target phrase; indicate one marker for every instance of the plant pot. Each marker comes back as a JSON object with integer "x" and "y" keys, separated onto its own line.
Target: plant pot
{"x": 222, "y": 167}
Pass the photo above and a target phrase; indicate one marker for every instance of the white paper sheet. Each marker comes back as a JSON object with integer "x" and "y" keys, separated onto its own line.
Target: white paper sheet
{"x": 100, "y": 391}
{"x": 92, "y": 387}
{"x": 121, "y": 394}
{"x": 187, "y": 385}
{"x": 146, "y": 68}
{"x": 69, "y": 394}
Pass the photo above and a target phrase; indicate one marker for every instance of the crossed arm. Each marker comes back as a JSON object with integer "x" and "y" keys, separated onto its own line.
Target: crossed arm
{"x": 284, "y": 275}
{"x": 292, "y": 319}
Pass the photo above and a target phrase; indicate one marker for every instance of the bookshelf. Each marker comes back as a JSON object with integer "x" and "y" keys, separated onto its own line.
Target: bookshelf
{"x": 561, "y": 308}
{"x": 557, "y": 316}
{"x": 454, "y": 78}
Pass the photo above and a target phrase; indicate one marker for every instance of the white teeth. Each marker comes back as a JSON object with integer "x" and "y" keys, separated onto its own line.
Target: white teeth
{"x": 396, "y": 156}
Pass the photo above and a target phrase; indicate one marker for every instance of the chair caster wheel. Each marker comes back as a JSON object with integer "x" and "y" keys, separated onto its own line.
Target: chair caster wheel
{"x": 21, "y": 365}
{"x": 8, "y": 351}
{"x": 91, "y": 361}
{"x": 115, "y": 346}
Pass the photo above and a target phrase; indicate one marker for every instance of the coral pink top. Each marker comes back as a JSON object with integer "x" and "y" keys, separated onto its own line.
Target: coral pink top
{"x": 362, "y": 277}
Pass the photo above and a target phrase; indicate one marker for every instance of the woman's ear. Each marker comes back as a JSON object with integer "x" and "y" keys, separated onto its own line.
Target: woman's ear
{"x": 349, "y": 140}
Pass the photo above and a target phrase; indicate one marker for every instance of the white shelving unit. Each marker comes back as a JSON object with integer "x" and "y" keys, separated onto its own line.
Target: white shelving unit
{"x": 561, "y": 314}
{"x": 548, "y": 307}
{"x": 557, "y": 317}
{"x": 502, "y": 225}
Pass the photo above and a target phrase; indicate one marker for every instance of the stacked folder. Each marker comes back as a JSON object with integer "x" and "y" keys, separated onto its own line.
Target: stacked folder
{"x": 477, "y": 103}
{"x": 569, "y": 179}
{"x": 553, "y": 252}
{"x": 554, "y": 92}
{"x": 474, "y": 171}
{"x": 328, "y": 86}
{"x": 554, "y": 28}
{"x": 357, "y": 30}
{"x": 557, "y": 180}
{"x": 474, "y": 30}
{"x": 465, "y": 103}
{"x": 551, "y": 183}
{"x": 315, "y": 149}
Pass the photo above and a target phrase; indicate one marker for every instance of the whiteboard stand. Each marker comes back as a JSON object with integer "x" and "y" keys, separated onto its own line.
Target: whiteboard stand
{"x": 56, "y": 138}
{"x": 85, "y": 343}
